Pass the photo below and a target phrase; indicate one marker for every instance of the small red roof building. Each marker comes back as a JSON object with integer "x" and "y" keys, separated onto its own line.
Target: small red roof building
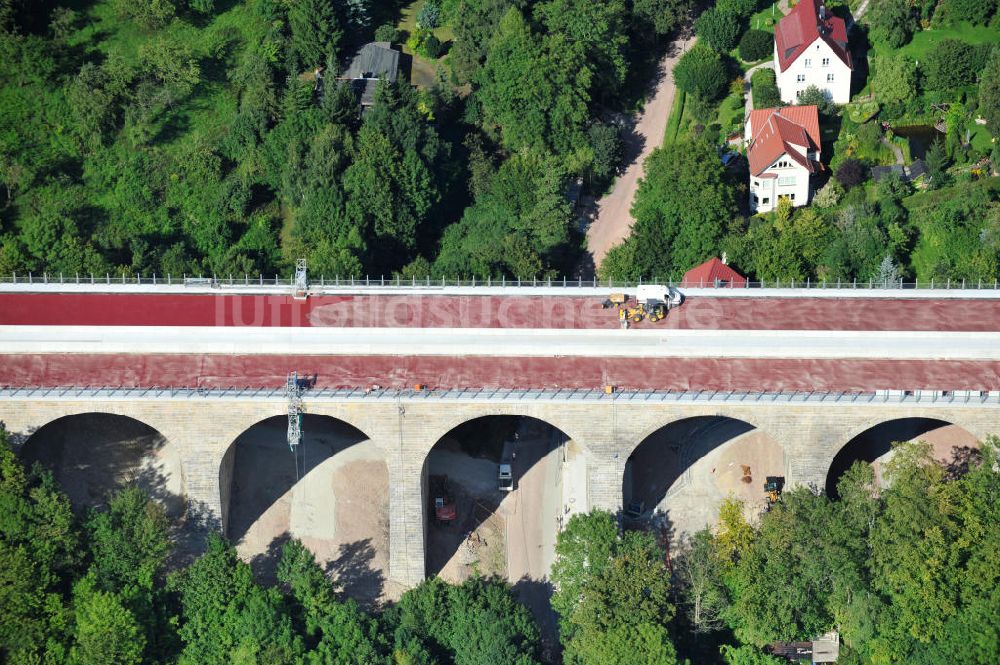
{"x": 773, "y": 132}
{"x": 807, "y": 22}
{"x": 713, "y": 273}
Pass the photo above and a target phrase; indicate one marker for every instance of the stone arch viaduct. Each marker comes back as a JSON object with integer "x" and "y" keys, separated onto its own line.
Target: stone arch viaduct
{"x": 405, "y": 426}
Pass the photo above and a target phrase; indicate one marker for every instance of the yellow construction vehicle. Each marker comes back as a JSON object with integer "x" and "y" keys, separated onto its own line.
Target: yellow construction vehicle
{"x": 772, "y": 488}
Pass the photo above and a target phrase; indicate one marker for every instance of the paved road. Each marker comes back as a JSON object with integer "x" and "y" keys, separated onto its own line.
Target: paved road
{"x": 499, "y": 342}
{"x": 613, "y": 218}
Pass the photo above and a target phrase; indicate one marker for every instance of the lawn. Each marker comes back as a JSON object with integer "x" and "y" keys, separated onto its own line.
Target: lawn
{"x": 423, "y": 74}
{"x": 766, "y": 18}
{"x": 925, "y": 40}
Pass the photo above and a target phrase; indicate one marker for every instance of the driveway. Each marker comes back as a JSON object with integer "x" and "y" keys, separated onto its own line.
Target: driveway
{"x": 611, "y": 216}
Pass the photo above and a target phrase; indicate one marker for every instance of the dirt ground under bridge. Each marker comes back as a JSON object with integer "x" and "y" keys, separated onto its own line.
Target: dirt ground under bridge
{"x": 335, "y": 499}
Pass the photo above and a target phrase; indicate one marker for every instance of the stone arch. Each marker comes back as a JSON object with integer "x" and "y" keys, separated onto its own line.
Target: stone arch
{"x": 331, "y": 493}
{"x": 686, "y": 467}
{"x": 567, "y": 423}
{"x": 660, "y": 423}
{"x": 94, "y": 451}
{"x": 871, "y": 442}
{"x": 527, "y": 515}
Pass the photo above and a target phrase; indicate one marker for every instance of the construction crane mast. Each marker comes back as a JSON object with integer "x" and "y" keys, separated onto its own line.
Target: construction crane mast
{"x": 300, "y": 285}
{"x": 294, "y": 394}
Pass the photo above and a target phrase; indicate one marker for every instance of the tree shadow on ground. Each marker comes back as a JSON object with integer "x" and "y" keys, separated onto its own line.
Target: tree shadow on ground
{"x": 536, "y": 595}
{"x": 963, "y": 459}
{"x": 264, "y": 469}
{"x": 352, "y": 571}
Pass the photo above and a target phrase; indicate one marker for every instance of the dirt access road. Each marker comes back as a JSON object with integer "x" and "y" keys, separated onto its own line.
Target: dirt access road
{"x": 612, "y": 218}
{"x": 518, "y": 540}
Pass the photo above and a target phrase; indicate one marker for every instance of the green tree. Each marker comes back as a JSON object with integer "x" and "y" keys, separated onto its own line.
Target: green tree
{"x": 611, "y": 591}
{"x": 989, "y": 93}
{"x": 583, "y": 550}
{"x": 681, "y": 208}
{"x": 701, "y": 72}
{"x": 892, "y": 22}
{"x": 756, "y": 45}
{"x": 718, "y": 29}
{"x": 894, "y": 78}
{"x": 742, "y": 9}
{"x": 225, "y": 616}
{"x": 476, "y": 622}
{"x": 516, "y": 228}
{"x": 39, "y": 555}
{"x": 147, "y": 14}
{"x": 106, "y": 631}
{"x": 663, "y": 16}
{"x": 343, "y": 634}
{"x": 475, "y": 23}
{"x": 698, "y": 572}
{"x": 597, "y": 33}
{"x": 534, "y": 94}
{"x": 315, "y": 33}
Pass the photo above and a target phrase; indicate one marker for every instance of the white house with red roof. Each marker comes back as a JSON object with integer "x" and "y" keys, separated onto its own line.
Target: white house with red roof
{"x": 783, "y": 149}
{"x": 810, "y": 48}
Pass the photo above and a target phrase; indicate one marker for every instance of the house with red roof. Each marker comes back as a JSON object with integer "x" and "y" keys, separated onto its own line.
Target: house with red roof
{"x": 713, "y": 273}
{"x": 810, "y": 48}
{"x": 783, "y": 150}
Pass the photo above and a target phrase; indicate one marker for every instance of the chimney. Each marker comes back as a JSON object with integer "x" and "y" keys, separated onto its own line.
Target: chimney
{"x": 822, "y": 12}
{"x": 725, "y": 259}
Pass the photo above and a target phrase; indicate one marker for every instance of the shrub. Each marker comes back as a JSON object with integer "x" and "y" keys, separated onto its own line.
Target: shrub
{"x": 850, "y": 173}
{"x": 756, "y": 45}
{"x": 386, "y": 33}
{"x": 765, "y": 89}
{"x": 813, "y": 96}
{"x": 432, "y": 47}
{"x": 700, "y": 72}
{"x": 718, "y": 29}
{"x": 953, "y": 64}
{"x": 429, "y": 15}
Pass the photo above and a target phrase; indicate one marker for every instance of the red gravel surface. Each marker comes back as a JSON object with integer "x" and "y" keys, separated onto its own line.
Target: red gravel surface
{"x": 950, "y": 315}
{"x": 476, "y": 372}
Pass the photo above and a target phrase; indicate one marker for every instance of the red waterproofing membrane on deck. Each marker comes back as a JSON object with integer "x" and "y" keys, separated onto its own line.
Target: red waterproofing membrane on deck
{"x": 477, "y": 372}
{"x": 433, "y": 311}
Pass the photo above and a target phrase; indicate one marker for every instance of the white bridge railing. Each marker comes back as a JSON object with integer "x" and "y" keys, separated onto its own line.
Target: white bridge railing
{"x": 906, "y": 397}
{"x": 340, "y": 282}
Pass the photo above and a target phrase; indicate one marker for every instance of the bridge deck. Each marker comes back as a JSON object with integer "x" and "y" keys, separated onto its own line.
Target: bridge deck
{"x": 713, "y": 342}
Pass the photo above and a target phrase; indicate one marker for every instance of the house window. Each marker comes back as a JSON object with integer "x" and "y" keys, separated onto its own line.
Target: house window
{"x": 829, "y": 78}
{"x": 786, "y": 181}
{"x": 755, "y": 199}
{"x": 826, "y": 62}
{"x": 766, "y": 201}
{"x": 809, "y": 62}
{"x": 756, "y": 184}
{"x": 793, "y": 196}
{"x": 801, "y": 78}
